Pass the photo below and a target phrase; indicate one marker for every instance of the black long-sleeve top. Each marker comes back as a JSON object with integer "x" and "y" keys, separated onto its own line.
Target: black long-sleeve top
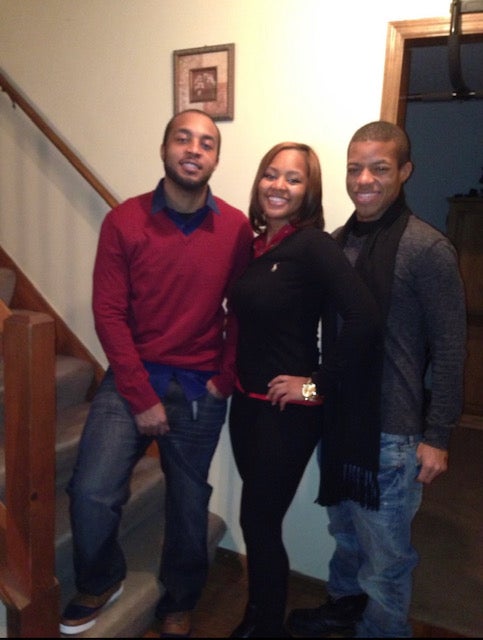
{"x": 279, "y": 301}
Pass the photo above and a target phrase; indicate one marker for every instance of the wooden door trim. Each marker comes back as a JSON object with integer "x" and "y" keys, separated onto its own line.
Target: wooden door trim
{"x": 396, "y": 69}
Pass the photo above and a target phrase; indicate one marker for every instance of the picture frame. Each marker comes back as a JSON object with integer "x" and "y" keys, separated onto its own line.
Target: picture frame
{"x": 203, "y": 78}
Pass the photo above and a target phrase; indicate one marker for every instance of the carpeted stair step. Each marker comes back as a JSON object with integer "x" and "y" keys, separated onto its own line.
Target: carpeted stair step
{"x": 73, "y": 378}
{"x": 146, "y": 500}
{"x": 141, "y": 536}
{"x": 70, "y": 422}
{"x": 132, "y": 615}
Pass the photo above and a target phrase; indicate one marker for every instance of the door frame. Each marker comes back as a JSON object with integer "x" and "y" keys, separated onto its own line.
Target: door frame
{"x": 400, "y": 36}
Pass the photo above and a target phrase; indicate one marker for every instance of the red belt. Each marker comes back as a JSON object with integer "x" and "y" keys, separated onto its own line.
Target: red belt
{"x": 261, "y": 396}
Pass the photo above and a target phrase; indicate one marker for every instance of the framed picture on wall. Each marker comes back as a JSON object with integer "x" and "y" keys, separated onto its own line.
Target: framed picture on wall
{"x": 204, "y": 79}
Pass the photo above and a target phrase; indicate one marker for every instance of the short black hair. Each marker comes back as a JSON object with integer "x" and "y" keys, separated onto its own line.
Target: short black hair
{"x": 170, "y": 125}
{"x": 383, "y": 131}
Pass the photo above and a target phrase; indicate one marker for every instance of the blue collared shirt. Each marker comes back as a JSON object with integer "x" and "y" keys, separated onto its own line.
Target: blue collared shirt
{"x": 186, "y": 222}
{"x": 192, "y": 382}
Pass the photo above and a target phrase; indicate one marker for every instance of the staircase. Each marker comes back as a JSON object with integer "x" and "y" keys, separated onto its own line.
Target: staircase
{"x": 142, "y": 524}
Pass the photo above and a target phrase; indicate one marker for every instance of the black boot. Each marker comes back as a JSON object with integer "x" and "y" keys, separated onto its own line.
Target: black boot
{"x": 334, "y": 616}
{"x": 247, "y": 626}
{"x": 252, "y": 626}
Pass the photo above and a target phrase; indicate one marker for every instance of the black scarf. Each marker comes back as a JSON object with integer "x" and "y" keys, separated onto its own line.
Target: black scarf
{"x": 352, "y": 418}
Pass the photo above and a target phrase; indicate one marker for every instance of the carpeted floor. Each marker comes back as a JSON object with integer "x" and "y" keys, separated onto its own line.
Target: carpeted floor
{"x": 448, "y": 533}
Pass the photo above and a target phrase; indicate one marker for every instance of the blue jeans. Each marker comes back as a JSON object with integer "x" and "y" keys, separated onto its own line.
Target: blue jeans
{"x": 373, "y": 551}
{"x": 110, "y": 447}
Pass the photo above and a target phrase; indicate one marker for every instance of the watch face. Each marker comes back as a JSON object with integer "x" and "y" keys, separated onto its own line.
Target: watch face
{"x": 309, "y": 390}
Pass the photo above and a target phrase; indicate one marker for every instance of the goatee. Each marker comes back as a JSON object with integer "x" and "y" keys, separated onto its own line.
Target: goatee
{"x": 186, "y": 183}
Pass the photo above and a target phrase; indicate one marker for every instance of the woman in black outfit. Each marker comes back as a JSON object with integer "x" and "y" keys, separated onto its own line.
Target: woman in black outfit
{"x": 276, "y": 413}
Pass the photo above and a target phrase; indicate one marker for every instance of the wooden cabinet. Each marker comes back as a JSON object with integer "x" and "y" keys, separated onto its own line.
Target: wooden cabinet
{"x": 465, "y": 229}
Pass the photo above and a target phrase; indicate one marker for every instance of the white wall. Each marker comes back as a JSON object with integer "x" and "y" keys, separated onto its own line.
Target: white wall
{"x": 101, "y": 72}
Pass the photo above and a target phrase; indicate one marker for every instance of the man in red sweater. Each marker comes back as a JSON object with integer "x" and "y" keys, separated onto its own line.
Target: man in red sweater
{"x": 164, "y": 264}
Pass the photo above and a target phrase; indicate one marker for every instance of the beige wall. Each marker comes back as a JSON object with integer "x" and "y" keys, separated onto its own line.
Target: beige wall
{"x": 101, "y": 72}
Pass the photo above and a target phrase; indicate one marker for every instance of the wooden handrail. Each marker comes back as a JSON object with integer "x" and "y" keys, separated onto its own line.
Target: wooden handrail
{"x": 18, "y": 99}
{"x": 26, "y": 296}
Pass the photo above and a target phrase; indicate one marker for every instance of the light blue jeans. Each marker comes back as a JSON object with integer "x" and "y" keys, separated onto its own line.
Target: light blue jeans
{"x": 373, "y": 551}
{"x": 110, "y": 447}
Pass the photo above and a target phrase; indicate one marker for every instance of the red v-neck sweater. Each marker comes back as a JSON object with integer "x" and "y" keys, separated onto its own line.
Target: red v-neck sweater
{"x": 158, "y": 294}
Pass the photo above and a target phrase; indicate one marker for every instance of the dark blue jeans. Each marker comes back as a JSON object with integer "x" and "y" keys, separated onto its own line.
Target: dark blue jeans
{"x": 110, "y": 447}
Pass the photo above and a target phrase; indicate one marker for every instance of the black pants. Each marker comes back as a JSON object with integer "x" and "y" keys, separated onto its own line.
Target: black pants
{"x": 271, "y": 449}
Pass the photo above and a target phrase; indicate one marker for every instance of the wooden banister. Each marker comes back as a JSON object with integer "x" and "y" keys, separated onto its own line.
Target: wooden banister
{"x": 26, "y": 295}
{"x": 29, "y": 588}
{"x": 18, "y": 99}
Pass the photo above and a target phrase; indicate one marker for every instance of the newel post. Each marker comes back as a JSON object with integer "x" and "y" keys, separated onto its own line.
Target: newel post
{"x": 30, "y": 424}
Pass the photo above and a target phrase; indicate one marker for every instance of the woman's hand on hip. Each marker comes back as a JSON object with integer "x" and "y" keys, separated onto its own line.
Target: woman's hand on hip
{"x": 284, "y": 388}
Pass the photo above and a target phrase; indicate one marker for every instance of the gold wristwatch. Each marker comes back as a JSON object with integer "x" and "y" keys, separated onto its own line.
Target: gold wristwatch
{"x": 309, "y": 390}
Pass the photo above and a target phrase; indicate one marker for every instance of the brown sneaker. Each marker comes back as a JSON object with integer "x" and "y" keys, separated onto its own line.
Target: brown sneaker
{"x": 176, "y": 625}
{"x": 81, "y": 612}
